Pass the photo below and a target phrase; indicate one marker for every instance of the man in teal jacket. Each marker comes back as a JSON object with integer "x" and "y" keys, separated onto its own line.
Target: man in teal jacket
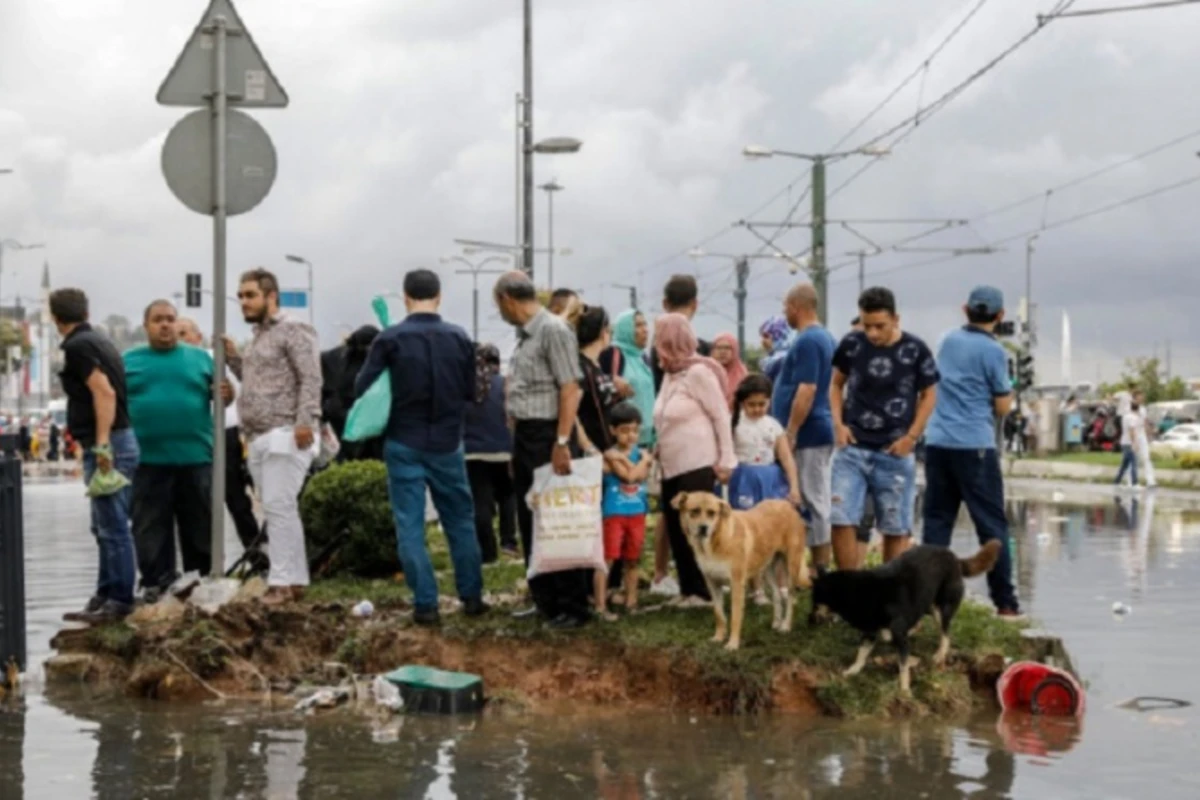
{"x": 170, "y": 406}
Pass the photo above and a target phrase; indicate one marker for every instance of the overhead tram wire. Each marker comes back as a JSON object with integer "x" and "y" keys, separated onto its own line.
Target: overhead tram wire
{"x": 1096, "y": 12}
{"x": 1049, "y": 226}
{"x": 922, "y": 68}
{"x": 858, "y": 126}
{"x": 1043, "y": 194}
{"x": 913, "y": 122}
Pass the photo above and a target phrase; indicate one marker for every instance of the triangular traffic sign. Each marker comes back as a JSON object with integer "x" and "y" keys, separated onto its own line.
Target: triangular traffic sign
{"x": 249, "y": 82}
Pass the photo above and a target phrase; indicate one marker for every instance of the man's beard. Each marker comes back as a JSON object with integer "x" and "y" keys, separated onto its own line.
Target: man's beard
{"x": 256, "y": 318}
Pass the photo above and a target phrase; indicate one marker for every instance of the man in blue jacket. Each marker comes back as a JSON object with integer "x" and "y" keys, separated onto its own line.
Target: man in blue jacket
{"x": 431, "y": 364}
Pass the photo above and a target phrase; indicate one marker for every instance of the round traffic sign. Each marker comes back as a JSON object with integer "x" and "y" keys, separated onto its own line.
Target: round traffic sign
{"x": 250, "y": 165}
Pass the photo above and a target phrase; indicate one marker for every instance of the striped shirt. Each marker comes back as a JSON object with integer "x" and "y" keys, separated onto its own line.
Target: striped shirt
{"x": 280, "y": 371}
{"x": 546, "y": 359}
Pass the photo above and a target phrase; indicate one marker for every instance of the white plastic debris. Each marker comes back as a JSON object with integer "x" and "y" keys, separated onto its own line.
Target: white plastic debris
{"x": 212, "y": 593}
{"x": 364, "y": 608}
{"x": 387, "y": 694}
{"x": 1043, "y": 538}
{"x": 324, "y": 698}
{"x": 1120, "y": 609}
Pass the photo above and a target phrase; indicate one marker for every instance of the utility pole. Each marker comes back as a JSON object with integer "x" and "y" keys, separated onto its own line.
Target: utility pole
{"x": 633, "y": 292}
{"x": 475, "y": 270}
{"x": 1028, "y": 337}
{"x": 820, "y": 274}
{"x": 527, "y": 148}
{"x": 550, "y": 188}
{"x": 742, "y": 273}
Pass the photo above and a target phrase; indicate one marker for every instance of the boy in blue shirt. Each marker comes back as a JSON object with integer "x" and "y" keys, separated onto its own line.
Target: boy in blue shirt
{"x": 624, "y": 504}
{"x": 961, "y": 462}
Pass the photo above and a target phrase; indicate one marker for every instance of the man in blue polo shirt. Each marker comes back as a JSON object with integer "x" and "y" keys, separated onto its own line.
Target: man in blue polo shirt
{"x": 961, "y": 462}
{"x": 431, "y": 364}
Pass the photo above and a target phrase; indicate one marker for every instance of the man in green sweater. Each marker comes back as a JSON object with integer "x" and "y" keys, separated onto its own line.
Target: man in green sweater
{"x": 170, "y": 406}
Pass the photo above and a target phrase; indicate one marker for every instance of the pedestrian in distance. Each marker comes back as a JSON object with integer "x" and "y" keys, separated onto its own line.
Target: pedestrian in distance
{"x": 279, "y": 408}
{"x": 93, "y": 379}
{"x": 170, "y": 388}
{"x": 882, "y": 394}
{"x": 430, "y": 365}
{"x": 961, "y": 461}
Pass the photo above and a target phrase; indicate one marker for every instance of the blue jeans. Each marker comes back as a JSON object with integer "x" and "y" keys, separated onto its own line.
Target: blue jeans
{"x": 954, "y": 477}
{"x": 1128, "y": 463}
{"x": 110, "y": 521}
{"x": 409, "y": 472}
{"x": 890, "y": 480}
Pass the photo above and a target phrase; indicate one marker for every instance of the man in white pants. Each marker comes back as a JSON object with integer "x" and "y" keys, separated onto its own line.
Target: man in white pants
{"x": 279, "y": 408}
{"x": 1142, "y": 443}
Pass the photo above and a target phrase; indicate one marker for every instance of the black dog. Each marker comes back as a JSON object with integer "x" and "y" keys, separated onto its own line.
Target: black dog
{"x": 889, "y": 601}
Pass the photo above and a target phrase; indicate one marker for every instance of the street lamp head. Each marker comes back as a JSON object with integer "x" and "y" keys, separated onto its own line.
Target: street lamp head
{"x": 753, "y": 151}
{"x": 696, "y": 252}
{"x": 875, "y": 150}
{"x": 558, "y": 145}
{"x": 297, "y": 259}
{"x": 6, "y": 171}
{"x": 552, "y": 186}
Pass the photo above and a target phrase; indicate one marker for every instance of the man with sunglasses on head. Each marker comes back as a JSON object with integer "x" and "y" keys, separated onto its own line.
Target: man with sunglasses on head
{"x": 280, "y": 410}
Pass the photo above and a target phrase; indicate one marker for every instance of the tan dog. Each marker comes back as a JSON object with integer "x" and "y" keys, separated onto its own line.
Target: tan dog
{"x": 732, "y": 547}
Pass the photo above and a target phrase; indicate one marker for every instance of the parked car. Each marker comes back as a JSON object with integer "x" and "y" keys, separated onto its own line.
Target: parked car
{"x": 1180, "y": 439}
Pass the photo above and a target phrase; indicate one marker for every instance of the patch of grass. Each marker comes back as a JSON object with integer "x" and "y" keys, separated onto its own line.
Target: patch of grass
{"x": 1103, "y": 459}
{"x": 118, "y": 639}
{"x": 201, "y": 645}
{"x": 352, "y": 651}
{"x": 382, "y": 592}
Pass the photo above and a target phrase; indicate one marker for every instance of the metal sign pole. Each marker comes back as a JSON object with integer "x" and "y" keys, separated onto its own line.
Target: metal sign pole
{"x": 219, "y": 101}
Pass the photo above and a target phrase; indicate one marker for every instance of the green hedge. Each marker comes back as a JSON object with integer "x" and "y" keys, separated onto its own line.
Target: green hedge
{"x": 352, "y": 497}
{"x": 1189, "y": 460}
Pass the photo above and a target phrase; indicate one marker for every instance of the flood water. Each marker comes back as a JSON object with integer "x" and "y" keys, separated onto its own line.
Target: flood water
{"x": 1077, "y": 554}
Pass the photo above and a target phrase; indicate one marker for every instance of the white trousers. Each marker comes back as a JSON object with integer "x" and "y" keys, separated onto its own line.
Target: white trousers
{"x": 278, "y": 475}
{"x": 1142, "y": 450}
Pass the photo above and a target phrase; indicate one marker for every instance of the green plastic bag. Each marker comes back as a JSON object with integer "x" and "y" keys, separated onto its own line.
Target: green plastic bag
{"x": 368, "y": 416}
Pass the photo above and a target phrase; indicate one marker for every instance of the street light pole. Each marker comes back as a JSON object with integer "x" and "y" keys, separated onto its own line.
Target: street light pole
{"x": 818, "y": 270}
{"x": 633, "y": 293}
{"x": 550, "y": 188}
{"x": 527, "y": 149}
{"x": 820, "y": 275}
{"x": 475, "y": 270}
{"x": 11, "y": 244}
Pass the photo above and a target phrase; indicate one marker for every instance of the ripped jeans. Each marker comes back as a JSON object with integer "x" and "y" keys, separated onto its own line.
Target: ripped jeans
{"x": 890, "y": 480}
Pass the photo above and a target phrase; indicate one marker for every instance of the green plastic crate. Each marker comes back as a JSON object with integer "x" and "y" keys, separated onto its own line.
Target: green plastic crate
{"x": 437, "y": 691}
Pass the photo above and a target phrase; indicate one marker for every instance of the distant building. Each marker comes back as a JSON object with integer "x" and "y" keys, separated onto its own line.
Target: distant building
{"x": 30, "y": 373}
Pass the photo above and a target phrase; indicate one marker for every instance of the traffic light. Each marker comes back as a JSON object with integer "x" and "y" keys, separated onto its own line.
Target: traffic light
{"x": 1025, "y": 375}
{"x": 193, "y": 290}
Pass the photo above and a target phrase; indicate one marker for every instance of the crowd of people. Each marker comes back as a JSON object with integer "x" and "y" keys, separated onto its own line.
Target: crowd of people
{"x": 827, "y": 423}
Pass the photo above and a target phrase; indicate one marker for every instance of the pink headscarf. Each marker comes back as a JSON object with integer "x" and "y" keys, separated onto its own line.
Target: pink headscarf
{"x": 736, "y": 371}
{"x": 676, "y": 343}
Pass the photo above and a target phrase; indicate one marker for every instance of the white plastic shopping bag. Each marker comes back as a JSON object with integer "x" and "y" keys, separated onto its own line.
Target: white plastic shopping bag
{"x": 567, "y": 525}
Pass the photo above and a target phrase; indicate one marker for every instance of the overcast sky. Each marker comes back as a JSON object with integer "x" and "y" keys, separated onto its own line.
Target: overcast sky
{"x": 399, "y": 138}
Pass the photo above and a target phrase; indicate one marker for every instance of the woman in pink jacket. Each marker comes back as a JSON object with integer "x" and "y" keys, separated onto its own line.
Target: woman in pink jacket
{"x": 695, "y": 443}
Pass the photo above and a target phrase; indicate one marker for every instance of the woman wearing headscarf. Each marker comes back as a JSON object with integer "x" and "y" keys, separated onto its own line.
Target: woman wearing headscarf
{"x": 776, "y": 338}
{"x": 630, "y": 334}
{"x": 488, "y": 445}
{"x": 695, "y": 440}
{"x": 725, "y": 352}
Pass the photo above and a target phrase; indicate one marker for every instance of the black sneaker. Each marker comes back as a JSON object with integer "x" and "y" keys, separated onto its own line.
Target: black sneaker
{"x": 566, "y": 622}
{"x": 427, "y": 619}
{"x": 93, "y": 605}
{"x": 475, "y": 608}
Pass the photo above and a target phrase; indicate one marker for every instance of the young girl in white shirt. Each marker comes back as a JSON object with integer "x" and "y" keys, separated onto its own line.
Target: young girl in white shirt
{"x": 766, "y": 468}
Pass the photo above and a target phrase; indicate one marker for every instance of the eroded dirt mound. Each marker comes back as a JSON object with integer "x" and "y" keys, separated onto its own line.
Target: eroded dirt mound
{"x": 247, "y": 649}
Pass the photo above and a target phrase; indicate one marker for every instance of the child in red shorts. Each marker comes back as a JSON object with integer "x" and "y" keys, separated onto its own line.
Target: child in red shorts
{"x": 624, "y": 504}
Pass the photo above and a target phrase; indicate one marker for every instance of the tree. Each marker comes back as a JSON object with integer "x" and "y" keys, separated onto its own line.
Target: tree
{"x": 11, "y": 335}
{"x": 1147, "y": 376}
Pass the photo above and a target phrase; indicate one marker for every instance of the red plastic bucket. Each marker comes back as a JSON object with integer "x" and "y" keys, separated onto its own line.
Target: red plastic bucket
{"x": 1040, "y": 689}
